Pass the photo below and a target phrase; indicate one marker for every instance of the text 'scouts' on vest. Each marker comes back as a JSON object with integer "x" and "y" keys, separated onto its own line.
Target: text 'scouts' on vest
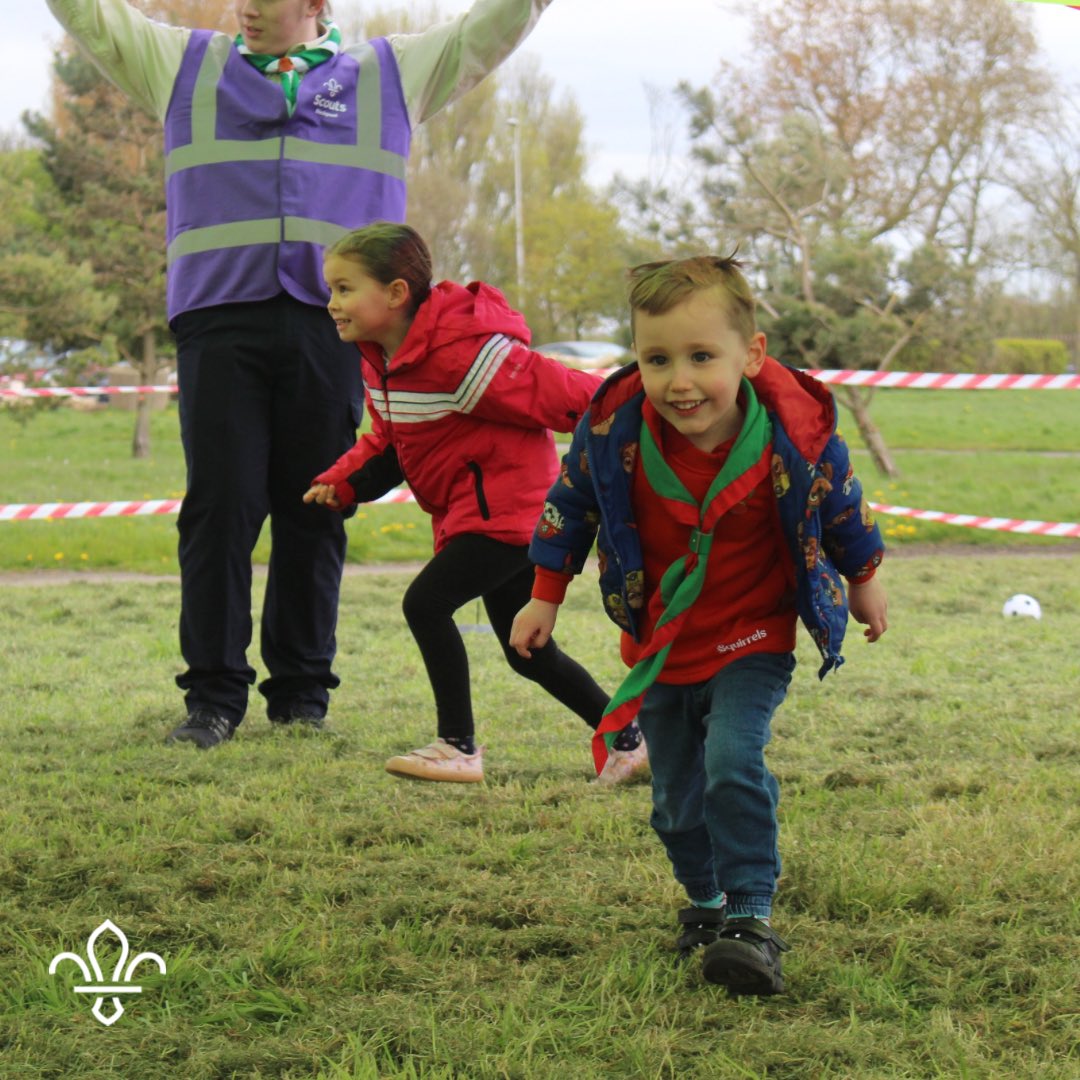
{"x": 253, "y": 194}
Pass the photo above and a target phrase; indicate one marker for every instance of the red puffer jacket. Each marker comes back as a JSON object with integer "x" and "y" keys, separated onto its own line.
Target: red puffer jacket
{"x": 464, "y": 411}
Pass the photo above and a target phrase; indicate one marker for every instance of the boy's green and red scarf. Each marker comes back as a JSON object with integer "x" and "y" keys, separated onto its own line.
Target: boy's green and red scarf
{"x": 746, "y": 466}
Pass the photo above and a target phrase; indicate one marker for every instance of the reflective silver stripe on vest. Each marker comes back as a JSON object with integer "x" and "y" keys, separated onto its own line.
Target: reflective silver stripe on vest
{"x": 247, "y": 233}
{"x": 204, "y": 149}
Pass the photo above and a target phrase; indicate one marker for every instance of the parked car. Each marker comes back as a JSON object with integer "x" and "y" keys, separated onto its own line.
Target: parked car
{"x": 587, "y": 354}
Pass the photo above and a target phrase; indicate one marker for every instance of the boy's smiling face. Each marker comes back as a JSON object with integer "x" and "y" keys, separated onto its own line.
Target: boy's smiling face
{"x": 692, "y": 362}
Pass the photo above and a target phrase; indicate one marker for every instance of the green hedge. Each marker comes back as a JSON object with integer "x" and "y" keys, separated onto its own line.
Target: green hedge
{"x": 1030, "y": 356}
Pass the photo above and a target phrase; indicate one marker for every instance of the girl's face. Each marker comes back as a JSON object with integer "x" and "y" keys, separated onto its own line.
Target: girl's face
{"x": 364, "y": 309}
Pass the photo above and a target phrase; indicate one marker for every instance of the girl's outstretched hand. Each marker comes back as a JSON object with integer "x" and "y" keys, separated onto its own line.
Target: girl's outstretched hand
{"x": 324, "y": 495}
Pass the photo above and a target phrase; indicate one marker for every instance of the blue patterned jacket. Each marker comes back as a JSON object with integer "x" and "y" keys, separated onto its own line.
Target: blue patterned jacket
{"x": 826, "y": 523}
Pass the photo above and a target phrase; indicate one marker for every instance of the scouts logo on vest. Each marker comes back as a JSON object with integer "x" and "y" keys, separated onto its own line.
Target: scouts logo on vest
{"x": 327, "y": 106}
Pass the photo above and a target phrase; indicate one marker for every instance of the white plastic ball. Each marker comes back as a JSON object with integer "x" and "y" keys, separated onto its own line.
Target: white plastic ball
{"x": 1022, "y": 604}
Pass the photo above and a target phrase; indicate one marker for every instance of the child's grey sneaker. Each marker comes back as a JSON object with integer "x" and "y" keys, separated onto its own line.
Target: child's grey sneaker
{"x": 700, "y": 927}
{"x": 203, "y": 727}
{"x": 746, "y": 958}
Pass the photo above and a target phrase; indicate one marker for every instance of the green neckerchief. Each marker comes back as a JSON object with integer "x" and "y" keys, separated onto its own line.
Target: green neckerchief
{"x": 746, "y": 466}
{"x": 292, "y": 65}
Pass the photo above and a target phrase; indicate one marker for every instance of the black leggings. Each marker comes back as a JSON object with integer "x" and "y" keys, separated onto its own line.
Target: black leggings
{"x": 471, "y": 566}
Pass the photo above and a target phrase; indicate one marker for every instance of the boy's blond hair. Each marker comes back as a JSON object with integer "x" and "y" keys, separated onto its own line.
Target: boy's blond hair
{"x": 656, "y": 287}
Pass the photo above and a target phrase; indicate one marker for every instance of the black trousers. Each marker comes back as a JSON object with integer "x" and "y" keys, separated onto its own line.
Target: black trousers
{"x": 269, "y": 397}
{"x": 472, "y": 566}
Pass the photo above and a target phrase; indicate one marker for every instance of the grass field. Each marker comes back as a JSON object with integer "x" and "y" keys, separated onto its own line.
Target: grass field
{"x": 998, "y": 453}
{"x": 320, "y": 919}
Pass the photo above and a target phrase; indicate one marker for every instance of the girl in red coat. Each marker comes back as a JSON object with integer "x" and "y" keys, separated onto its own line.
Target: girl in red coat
{"x": 463, "y": 411}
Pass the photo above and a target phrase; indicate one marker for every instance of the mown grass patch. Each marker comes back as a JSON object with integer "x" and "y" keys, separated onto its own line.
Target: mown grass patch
{"x": 321, "y": 919}
{"x": 995, "y": 453}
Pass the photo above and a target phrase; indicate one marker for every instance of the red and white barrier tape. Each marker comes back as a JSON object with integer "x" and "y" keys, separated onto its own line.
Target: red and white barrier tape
{"x": 74, "y": 511}
{"x": 7, "y": 393}
{"x": 973, "y": 521}
{"x": 904, "y": 380}
{"x": 148, "y": 508}
{"x": 53, "y": 511}
{"x": 932, "y": 380}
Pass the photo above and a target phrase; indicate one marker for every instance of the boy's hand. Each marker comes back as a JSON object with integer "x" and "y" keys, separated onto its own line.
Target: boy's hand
{"x": 532, "y": 626}
{"x": 324, "y": 495}
{"x": 868, "y": 605}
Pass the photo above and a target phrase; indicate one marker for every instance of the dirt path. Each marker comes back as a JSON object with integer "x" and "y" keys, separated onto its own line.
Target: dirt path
{"x": 107, "y": 577}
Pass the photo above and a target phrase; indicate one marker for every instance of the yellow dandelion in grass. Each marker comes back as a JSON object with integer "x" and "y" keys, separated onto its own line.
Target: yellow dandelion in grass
{"x": 59, "y": 556}
{"x": 361, "y": 517}
{"x": 411, "y": 525}
{"x": 878, "y": 494}
{"x": 29, "y": 558}
{"x": 84, "y": 556}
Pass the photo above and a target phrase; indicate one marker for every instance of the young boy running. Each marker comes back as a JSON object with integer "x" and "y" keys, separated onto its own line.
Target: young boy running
{"x": 724, "y": 508}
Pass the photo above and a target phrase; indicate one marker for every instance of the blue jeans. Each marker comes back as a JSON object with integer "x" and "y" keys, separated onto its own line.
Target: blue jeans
{"x": 714, "y": 801}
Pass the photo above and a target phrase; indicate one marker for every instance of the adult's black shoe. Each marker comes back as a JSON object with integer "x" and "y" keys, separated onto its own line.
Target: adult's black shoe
{"x": 203, "y": 727}
{"x": 308, "y": 716}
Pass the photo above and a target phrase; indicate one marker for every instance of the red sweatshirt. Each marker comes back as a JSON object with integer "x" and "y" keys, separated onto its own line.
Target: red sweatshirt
{"x": 747, "y": 604}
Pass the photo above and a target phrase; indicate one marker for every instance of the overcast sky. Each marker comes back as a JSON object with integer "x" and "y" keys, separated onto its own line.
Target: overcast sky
{"x": 606, "y": 52}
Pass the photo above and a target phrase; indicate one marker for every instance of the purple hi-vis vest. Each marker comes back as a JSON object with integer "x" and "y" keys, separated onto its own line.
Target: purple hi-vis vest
{"x": 253, "y": 194}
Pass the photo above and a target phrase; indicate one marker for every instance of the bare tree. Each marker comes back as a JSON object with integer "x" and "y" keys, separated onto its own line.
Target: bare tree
{"x": 857, "y": 159}
{"x": 1048, "y": 180}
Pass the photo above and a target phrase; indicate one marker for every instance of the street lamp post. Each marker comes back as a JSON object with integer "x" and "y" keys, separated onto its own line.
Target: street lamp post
{"x": 519, "y": 214}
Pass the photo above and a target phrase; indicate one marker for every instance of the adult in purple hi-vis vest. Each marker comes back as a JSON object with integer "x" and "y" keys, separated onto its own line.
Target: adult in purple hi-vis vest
{"x": 276, "y": 144}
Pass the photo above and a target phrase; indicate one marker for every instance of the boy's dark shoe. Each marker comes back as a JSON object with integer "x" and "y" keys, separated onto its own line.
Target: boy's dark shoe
{"x": 203, "y": 727}
{"x": 746, "y": 958}
{"x": 308, "y": 716}
{"x": 700, "y": 927}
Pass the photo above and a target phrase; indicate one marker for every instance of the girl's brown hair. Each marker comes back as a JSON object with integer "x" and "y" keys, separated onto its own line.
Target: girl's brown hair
{"x": 388, "y": 251}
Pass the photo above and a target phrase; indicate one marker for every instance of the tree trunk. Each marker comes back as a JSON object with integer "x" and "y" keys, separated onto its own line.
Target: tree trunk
{"x": 140, "y": 443}
{"x": 857, "y": 400}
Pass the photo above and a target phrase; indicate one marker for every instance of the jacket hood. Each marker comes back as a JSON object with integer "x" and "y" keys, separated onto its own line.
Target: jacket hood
{"x": 614, "y": 392}
{"x": 803, "y": 405}
{"x": 452, "y": 313}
